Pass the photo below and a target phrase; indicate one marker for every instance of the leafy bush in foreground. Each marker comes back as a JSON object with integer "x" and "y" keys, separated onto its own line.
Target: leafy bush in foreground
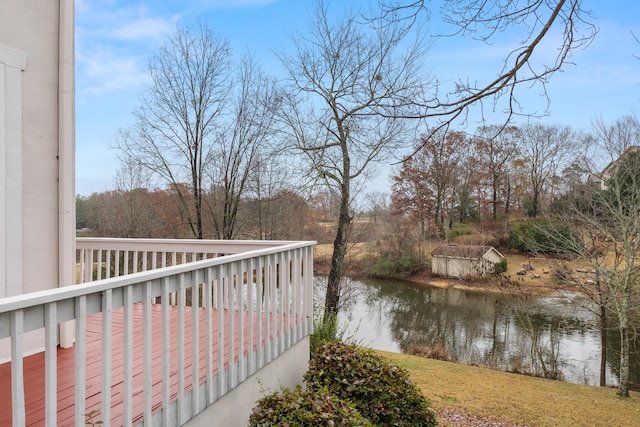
{"x": 380, "y": 390}
{"x": 305, "y": 408}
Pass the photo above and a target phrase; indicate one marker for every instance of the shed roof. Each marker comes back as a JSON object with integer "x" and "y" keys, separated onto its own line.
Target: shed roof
{"x": 462, "y": 251}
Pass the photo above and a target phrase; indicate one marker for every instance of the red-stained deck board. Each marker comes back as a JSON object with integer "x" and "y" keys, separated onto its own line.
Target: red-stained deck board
{"x": 34, "y": 366}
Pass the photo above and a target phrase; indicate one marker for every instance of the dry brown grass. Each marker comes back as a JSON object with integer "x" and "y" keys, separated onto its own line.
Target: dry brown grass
{"x": 517, "y": 399}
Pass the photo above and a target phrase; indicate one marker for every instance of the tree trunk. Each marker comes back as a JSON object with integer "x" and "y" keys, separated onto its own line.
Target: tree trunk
{"x": 603, "y": 344}
{"x": 534, "y": 203}
{"x": 507, "y": 202}
{"x": 332, "y": 299}
{"x": 623, "y": 386}
{"x": 494, "y": 201}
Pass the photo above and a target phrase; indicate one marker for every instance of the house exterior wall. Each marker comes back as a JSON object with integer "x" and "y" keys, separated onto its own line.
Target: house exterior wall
{"x": 461, "y": 267}
{"x": 37, "y": 146}
{"x": 492, "y": 256}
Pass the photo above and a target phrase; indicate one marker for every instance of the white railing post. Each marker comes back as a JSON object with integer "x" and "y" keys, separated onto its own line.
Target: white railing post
{"x": 207, "y": 293}
{"x": 147, "y": 342}
{"x": 195, "y": 341}
{"x": 127, "y": 384}
{"x": 166, "y": 348}
{"x": 17, "y": 376}
{"x": 221, "y": 305}
{"x": 50, "y": 365}
{"x": 80, "y": 359}
{"x": 105, "y": 404}
{"x": 260, "y": 311}
{"x": 251, "y": 317}
{"x": 181, "y": 296}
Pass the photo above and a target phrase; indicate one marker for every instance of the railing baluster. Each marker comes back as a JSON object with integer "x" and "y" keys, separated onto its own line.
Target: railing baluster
{"x": 251, "y": 317}
{"x": 116, "y": 267}
{"x": 50, "y": 364}
{"x": 105, "y": 403}
{"x": 125, "y": 262}
{"x": 308, "y": 289}
{"x": 207, "y": 295}
{"x": 295, "y": 300}
{"x": 269, "y": 268}
{"x": 195, "y": 342}
{"x": 79, "y": 276}
{"x": 108, "y": 268}
{"x": 134, "y": 268}
{"x": 99, "y": 264}
{"x": 181, "y": 375}
{"x": 80, "y": 359}
{"x": 89, "y": 276}
{"x": 166, "y": 349}
{"x": 240, "y": 291}
{"x": 286, "y": 303}
{"x": 17, "y": 375}
{"x": 260, "y": 312}
{"x": 147, "y": 342}
{"x": 232, "y": 325}
{"x": 221, "y": 306}
{"x": 127, "y": 384}
{"x": 284, "y": 300}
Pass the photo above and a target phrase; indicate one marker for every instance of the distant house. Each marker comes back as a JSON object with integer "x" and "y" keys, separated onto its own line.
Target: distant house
{"x": 599, "y": 180}
{"x": 461, "y": 261}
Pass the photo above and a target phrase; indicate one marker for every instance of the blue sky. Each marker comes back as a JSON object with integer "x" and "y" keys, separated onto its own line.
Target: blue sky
{"x": 115, "y": 39}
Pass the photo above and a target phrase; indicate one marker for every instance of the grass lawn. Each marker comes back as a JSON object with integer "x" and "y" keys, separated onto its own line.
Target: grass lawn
{"x": 516, "y": 399}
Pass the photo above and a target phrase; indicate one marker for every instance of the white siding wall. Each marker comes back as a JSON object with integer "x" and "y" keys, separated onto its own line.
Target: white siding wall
{"x": 31, "y": 231}
{"x": 459, "y": 267}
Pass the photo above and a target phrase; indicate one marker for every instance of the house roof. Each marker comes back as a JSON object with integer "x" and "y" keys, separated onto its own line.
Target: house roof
{"x": 462, "y": 251}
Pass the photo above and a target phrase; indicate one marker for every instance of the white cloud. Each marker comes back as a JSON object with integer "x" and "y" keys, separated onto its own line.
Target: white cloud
{"x": 114, "y": 42}
{"x": 231, "y": 4}
{"x": 145, "y": 28}
{"x": 103, "y": 70}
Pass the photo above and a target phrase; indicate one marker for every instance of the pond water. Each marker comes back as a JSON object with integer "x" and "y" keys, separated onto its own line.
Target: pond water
{"x": 557, "y": 335}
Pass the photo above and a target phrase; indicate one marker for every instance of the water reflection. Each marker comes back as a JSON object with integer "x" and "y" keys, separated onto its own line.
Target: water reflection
{"x": 476, "y": 328}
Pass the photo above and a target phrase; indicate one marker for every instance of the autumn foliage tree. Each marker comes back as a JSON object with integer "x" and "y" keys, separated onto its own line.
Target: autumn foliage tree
{"x": 426, "y": 188}
{"x": 496, "y": 149}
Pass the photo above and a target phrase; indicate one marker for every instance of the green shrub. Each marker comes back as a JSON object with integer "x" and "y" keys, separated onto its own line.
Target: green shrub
{"x": 543, "y": 236}
{"x": 299, "y": 407}
{"x": 389, "y": 265}
{"x": 380, "y": 390}
{"x": 324, "y": 330}
{"x": 458, "y": 229}
{"x": 501, "y": 266}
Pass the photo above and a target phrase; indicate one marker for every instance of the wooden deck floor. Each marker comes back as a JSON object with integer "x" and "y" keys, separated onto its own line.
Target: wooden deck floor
{"x": 34, "y": 369}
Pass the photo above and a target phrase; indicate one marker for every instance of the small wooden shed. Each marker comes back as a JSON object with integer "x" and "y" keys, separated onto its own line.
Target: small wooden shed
{"x": 459, "y": 261}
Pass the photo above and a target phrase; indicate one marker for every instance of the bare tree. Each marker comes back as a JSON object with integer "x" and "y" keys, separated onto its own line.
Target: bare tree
{"x": 546, "y": 151}
{"x": 534, "y": 24}
{"x": 352, "y": 77}
{"x": 608, "y": 222}
{"x": 354, "y": 80}
{"x": 232, "y": 160}
{"x": 174, "y": 132}
{"x": 496, "y": 148}
{"x": 614, "y": 139}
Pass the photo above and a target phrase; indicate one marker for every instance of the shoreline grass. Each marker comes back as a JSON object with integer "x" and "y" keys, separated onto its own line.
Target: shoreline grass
{"x": 517, "y": 399}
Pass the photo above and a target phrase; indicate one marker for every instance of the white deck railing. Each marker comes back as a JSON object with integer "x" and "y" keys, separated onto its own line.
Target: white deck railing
{"x": 259, "y": 294}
